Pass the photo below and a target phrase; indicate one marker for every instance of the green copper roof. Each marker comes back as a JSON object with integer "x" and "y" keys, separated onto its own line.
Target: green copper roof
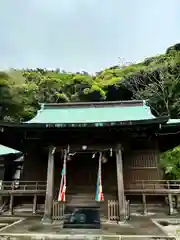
{"x": 92, "y": 113}
{"x": 173, "y": 121}
{"x": 6, "y": 150}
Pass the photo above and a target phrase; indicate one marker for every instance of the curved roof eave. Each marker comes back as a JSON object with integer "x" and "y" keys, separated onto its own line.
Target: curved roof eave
{"x": 6, "y": 150}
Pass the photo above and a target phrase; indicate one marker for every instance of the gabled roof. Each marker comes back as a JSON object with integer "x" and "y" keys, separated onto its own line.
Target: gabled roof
{"x": 6, "y": 150}
{"x": 97, "y": 114}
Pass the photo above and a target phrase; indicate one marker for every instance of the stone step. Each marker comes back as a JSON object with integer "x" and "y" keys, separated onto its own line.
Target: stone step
{"x": 82, "y": 196}
{"x": 81, "y": 199}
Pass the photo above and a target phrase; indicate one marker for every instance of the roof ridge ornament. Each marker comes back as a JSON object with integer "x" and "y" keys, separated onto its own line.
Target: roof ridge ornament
{"x": 39, "y": 111}
{"x": 144, "y": 103}
{"x": 42, "y": 107}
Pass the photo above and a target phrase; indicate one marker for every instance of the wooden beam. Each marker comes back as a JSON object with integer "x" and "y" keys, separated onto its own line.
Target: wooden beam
{"x": 153, "y": 191}
{"x": 120, "y": 183}
{"x": 23, "y": 192}
{"x": 49, "y": 189}
{"x": 90, "y": 147}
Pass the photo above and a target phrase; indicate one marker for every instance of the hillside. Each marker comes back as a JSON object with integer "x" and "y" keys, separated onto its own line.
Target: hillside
{"x": 156, "y": 80}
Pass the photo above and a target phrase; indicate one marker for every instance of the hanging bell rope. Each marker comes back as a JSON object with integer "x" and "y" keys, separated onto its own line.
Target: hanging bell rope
{"x": 99, "y": 193}
{"x": 62, "y": 189}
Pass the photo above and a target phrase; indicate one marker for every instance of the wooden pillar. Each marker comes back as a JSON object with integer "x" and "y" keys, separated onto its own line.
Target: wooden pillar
{"x": 144, "y": 204}
{"x": 47, "y": 218}
{"x": 34, "y": 204}
{"x": 1, "y": 188}
{"x": 11, "y": 204}
{"x": 170, "y": 200}
{"x": 176, "y": 202}
{"x": 170, "y": 204}
{"x": 120, "y": 183}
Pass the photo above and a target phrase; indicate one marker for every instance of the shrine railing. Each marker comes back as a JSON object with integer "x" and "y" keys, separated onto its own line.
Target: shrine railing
{"x": 22, "y": 185}
{"x": 91, "y": 237}
{"x": 139, "y": 185}
{"x": 154, "y": 185}
{"x": 58, "y": 210}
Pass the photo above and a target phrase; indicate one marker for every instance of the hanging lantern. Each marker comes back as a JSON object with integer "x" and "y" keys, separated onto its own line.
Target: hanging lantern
{"x": 84, "y": 147}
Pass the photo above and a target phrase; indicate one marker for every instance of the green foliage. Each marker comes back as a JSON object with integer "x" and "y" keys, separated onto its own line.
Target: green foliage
{"x": 156, "y": 80}
{"x": 170, "y": 162}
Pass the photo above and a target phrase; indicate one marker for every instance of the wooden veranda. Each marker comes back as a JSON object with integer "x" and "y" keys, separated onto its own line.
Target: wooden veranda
{"x": 155, "y": 187}
{"x": 38, "y": 188}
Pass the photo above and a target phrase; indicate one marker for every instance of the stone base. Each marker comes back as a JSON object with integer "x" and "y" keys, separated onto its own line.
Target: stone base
{"x": 82, "y": 217}
{"x": 8, "y": 213}
{"x": 46, "y": 220}
{"x": 145, "y": 213}
{"x": 122, "y": 218}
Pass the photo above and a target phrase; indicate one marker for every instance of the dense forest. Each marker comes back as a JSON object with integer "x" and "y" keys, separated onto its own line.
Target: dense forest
{"x": 156, "y": 80}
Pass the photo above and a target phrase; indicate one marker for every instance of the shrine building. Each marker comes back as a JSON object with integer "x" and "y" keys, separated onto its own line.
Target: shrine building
{"x": 127, "y": 136}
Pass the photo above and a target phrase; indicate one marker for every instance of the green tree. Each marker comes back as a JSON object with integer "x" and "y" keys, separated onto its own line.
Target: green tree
{"x": 10, "y": 101}
{"x": 170, "y": 162}
{"x": 160, "y": 88}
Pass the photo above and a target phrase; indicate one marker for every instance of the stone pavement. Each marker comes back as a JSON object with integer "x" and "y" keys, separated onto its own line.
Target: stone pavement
{"x": 138, "y": 225}
{"x": 29, "y": 228}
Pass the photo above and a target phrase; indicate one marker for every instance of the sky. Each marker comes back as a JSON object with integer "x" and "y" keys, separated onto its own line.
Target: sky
{"x": 89, "y": 35}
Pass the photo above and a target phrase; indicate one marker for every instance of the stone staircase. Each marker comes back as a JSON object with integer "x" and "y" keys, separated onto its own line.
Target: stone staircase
{"x": 81, "y": 199}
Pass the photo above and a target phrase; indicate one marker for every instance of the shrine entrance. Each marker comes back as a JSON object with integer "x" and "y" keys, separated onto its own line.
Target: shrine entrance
{"x": 82, "y": 171}
{"x": 81, "y": 189}
{"x": 81, "y": 174}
